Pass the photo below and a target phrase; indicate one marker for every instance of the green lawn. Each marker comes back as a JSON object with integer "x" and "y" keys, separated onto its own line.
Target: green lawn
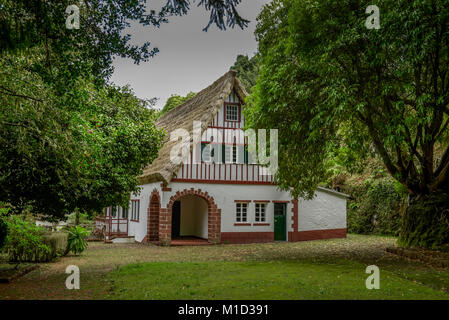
{"x": 322, "y": 269}
{"x": 259, "y": 280}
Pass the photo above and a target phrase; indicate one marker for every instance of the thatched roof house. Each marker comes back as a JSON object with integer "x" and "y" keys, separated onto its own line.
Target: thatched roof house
{"x": 219, "y": 193}
{"x": 203, "y": 107}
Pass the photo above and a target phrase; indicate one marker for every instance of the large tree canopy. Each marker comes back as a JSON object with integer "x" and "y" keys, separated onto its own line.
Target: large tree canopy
{"x": 83, "y": 149}
{"x": 326, "y": 79}
{"x": 101, "y": 34}
{"x": 69, "y": 139}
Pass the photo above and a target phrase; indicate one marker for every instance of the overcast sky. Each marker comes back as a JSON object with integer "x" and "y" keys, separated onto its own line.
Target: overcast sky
{"x": 189, "y": 58}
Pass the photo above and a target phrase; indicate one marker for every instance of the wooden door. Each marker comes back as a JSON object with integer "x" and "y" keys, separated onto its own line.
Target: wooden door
{"x": 280, "y": 221}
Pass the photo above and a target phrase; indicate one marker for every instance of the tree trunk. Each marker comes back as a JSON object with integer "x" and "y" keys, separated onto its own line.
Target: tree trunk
{"x": 77, "y": 217}
{"x": 425, "y": 222}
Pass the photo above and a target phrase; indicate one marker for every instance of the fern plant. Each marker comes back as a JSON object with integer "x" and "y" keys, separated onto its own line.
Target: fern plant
{"x": 76, "y": 241}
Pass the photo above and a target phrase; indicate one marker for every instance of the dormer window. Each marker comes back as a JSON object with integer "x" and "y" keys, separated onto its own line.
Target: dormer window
{"x": 232, "y": 113}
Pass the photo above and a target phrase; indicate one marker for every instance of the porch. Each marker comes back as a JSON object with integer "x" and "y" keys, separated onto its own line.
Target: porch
{"x": 112, "y": 227}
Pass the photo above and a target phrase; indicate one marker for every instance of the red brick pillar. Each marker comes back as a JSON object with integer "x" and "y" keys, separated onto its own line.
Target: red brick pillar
{"x": 214, "y": 224}
{"x": 165, "y": 226}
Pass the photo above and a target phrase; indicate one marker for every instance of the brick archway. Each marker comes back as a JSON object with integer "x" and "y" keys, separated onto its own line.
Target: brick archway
{"x": 154, "y": 208}
{"x": 213, "y": 216}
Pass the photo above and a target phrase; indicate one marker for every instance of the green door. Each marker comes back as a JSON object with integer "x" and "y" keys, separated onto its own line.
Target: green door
{"x": 280, "y": 230}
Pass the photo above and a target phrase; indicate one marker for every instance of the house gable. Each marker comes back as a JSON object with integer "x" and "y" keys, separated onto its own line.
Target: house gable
{"x": 202, "y": 108}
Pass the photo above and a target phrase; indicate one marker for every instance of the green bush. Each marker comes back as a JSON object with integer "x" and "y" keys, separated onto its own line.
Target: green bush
{"x": 3, "y": 232}
{"x": 375, "y": 208}
{"x": 57, "y": 242}
{"x": 25, "y": 242}
{"x": 77, "y": 242}
{"x": 3, "y": 225}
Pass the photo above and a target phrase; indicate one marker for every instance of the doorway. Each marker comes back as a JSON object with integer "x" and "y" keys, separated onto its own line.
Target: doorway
{"x": 280, "y": 221}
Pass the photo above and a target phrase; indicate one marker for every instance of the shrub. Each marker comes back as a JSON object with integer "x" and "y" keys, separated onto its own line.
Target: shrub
{"x": 3, "y": 226}
{"x": 3, "y": 232}
{"x": 57, "y": 242}
{"x": 375, "y": 208}
{"x": 25, "y": 243}
{"x": 77, "y": 242}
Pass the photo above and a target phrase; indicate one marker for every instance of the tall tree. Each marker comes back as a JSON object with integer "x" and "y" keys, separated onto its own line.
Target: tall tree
{"x": 325, "y": 75}
{"x": 69, "y": 139}
{"x": 247, "y": 70}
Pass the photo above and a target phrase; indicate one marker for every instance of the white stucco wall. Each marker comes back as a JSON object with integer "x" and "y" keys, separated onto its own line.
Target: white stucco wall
{"x": 325, "y": 211}
{"x": 225, "y": 196}
{"x": 139, "y": 229}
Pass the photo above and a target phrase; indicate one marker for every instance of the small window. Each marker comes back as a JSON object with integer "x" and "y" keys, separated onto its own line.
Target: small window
{"x": 135, "y": 207}
{"x": 231, "y": 154}
{"x": 232, "y": 113}
{"x": 260, "y": 212}
{"x": 207, "y": 152}
{"x": 124, "y": 213}
{"x": 114, "y": 212}
{"x": 241, "y": 208}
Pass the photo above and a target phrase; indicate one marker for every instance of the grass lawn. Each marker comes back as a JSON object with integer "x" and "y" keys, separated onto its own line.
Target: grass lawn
{"x": 322, "y": 269}
{"x": 259, "y": 280}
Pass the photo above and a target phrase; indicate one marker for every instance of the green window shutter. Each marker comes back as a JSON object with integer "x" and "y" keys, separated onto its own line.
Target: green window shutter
{"x": 223, "y": 153}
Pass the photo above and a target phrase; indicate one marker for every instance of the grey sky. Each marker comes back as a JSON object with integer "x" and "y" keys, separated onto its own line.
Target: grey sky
{"x": 189, "y": 58}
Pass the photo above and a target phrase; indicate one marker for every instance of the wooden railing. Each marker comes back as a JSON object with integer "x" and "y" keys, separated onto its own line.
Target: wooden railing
{"x": 112, "y": 226}
{"x": 237, "y": 173}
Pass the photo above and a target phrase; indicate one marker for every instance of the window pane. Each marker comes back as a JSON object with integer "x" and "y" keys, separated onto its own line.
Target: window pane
{"x": 133, "y": 210}
{"x": 232, "y": 113}
{"x": 206, "y": 152}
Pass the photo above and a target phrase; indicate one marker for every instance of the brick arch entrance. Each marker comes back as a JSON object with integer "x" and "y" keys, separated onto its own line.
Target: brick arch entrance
{"x": 213, "y": 216}
{"x": 153, "y": 216}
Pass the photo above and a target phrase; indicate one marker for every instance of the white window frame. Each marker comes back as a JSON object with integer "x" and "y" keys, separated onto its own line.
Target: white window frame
{"x": 240, "y": 208}
{"x": 260, "y": 212}
{"x": 234, "y": 111}
{"x": 231, "y": 153}
{"x": 125, "y": 213}
{"x": 135, "y": 210}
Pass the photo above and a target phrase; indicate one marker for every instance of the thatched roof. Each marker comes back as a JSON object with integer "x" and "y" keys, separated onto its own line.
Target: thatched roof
{"x": 203, "y": 107}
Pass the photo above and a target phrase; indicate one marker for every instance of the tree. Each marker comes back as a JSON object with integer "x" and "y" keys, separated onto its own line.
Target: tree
{"x": 247, "y": 70}
{"x": 101, "y": 33}
{"x": 326, "y": 77}
{"x": 174, "y": 101}
{"x": 82, "y": 150}
{"x": 71, "y": 141}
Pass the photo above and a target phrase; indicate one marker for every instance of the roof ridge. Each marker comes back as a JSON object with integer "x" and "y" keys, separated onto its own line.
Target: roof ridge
{"x": 233, "y": 73}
